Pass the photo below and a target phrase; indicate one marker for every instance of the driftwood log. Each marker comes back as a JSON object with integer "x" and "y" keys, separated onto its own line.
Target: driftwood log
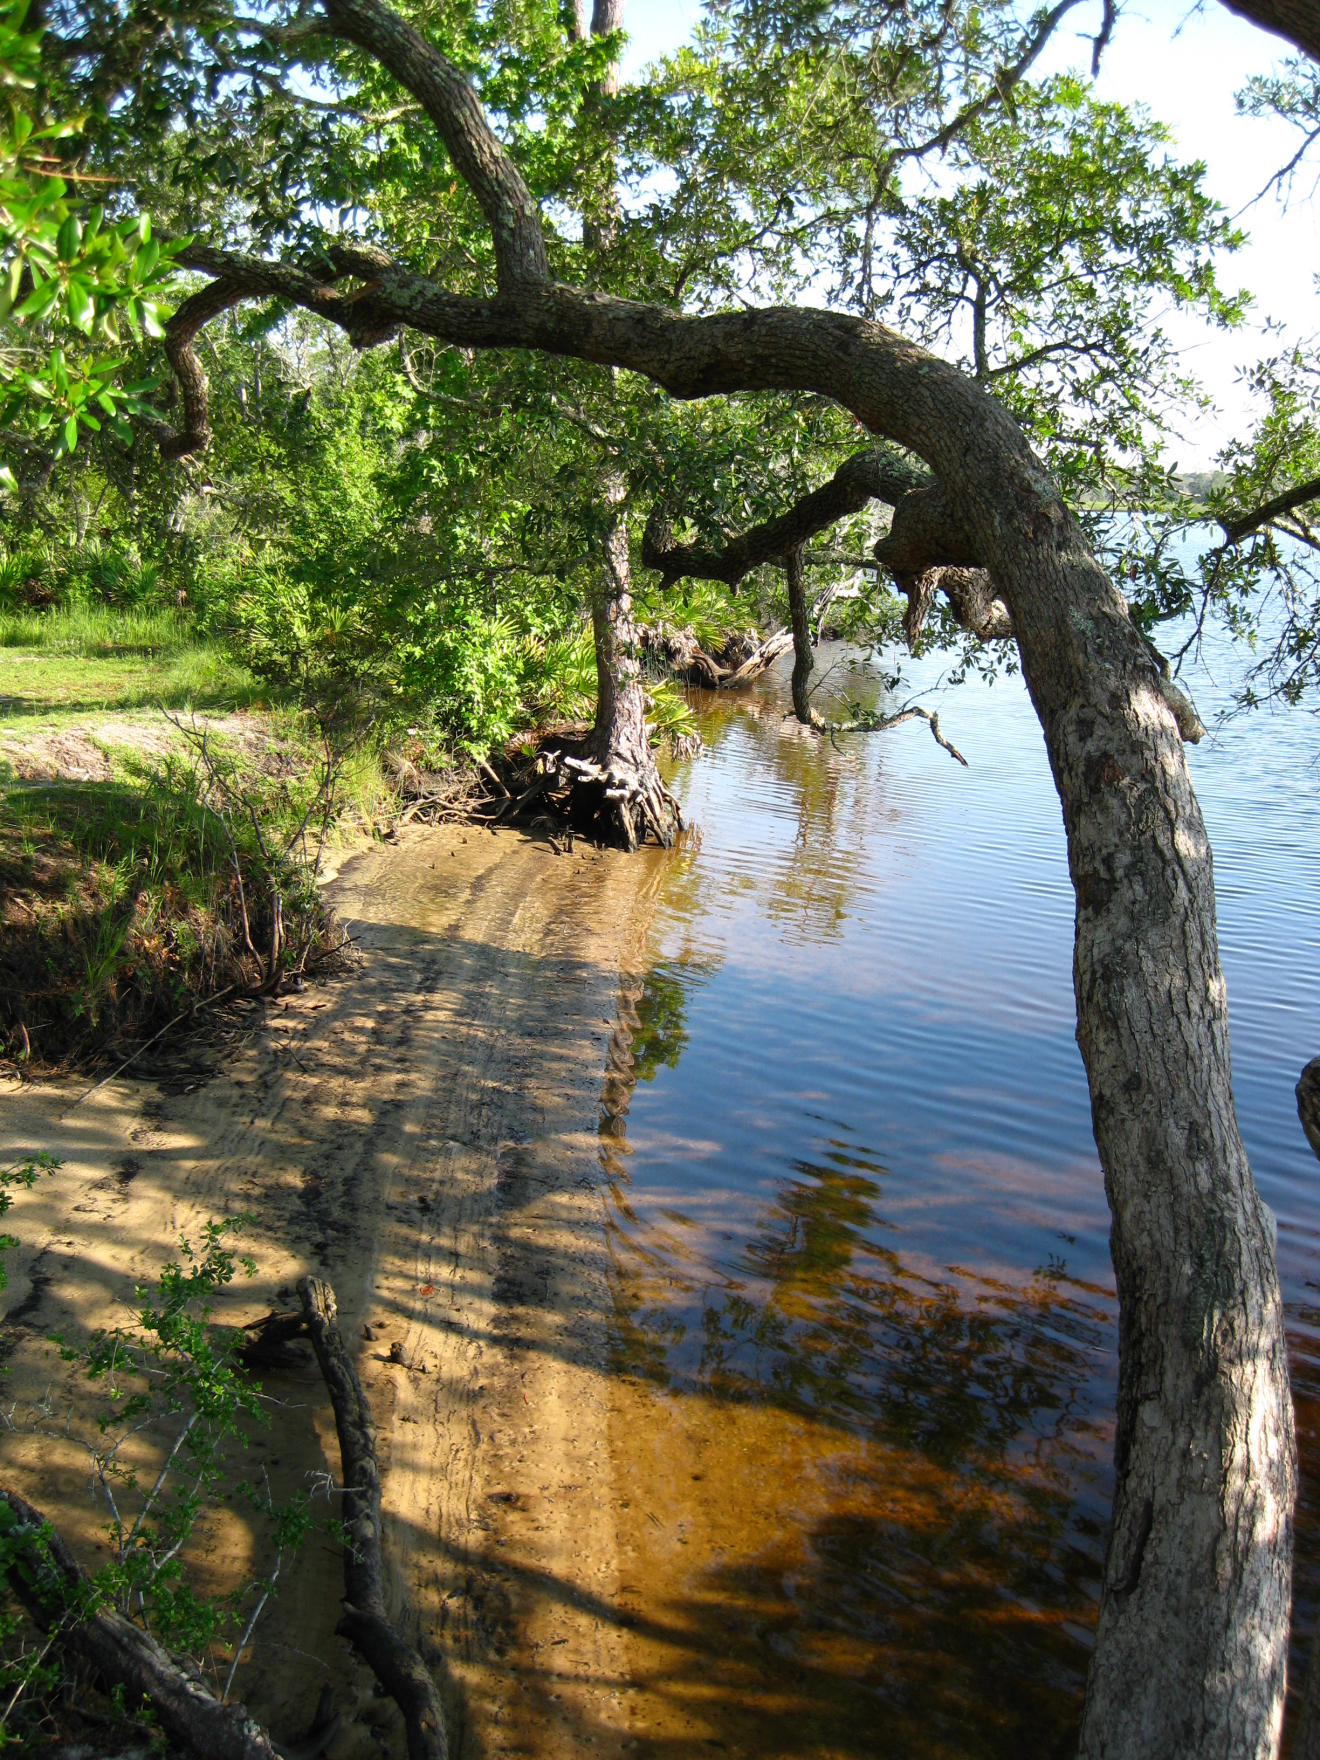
{"x": 52, "y": 1587}
{"x": 679, "y": 650}
{"x": 122, "y": 1654}
{"x": 397, "y": 1666}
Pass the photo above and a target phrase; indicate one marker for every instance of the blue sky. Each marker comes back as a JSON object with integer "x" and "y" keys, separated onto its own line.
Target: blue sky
{"x": 1184, "y": 64}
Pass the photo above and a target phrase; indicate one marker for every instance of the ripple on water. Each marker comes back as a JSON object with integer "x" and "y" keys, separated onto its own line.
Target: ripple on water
{"x": 864, "y": 1311}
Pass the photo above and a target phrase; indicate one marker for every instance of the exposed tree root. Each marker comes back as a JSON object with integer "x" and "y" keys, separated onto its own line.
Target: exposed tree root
{"x": 397, "y": 1666}
{"x": 614, "y": 803}
{"x": 54, "y": 1590}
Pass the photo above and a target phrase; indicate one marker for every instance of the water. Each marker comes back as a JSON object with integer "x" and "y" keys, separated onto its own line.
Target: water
{"x": 862, "y": 1277}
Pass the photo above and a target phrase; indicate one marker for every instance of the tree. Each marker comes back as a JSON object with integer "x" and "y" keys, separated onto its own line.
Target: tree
{"x": 628, "y": 790}
{"x": 62, "y": 266}
{"x": 1294, "y": 20}
{"x": 1193, "y": 1625}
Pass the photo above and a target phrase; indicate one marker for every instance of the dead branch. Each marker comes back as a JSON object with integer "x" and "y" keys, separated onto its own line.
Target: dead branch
{"x": 861, "y": 720}
{"x": 398, "y": 1667}
{"x": 56, "y": 1593}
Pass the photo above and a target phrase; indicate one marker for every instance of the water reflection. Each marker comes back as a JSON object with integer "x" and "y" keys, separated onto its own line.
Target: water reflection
{"x": 920, "y": 1536}
{"x": 864, "y": 1315}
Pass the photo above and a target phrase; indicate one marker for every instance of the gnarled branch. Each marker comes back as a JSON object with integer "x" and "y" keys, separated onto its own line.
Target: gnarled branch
{"x": 479, "y": 157}
{"x": 969, "y": 594}
{"x": 198, "y": 309}
{"x": 877, "y": 474}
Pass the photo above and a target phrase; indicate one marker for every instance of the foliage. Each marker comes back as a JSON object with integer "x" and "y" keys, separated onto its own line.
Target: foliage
{"x": 64, "y": 266}
{"x": 174, "y": 1404}
{"x": 411, "y": 535}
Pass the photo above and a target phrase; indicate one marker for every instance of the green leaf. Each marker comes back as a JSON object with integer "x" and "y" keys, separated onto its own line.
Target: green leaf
{"x": 70, "y": 237}
{"x": 39, "y": 301}
{"x": 70, "y": 435}
{"x": 81, "y": 306}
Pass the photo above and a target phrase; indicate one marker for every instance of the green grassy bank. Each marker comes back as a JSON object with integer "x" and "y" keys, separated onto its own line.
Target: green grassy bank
{"x": 148, "y": 863}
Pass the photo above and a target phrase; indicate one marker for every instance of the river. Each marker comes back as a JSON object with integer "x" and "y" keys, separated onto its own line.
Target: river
{"x": 864, "y": 1325}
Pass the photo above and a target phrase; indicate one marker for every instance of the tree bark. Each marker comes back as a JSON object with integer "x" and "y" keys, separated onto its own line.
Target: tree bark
{"x": 629, "y": 799}
{"x": 1193, "y": 1624}
{"x": 1306, "y": 1735}
{"x": 1298, "y": 21}
{"x": 804, "y": 661}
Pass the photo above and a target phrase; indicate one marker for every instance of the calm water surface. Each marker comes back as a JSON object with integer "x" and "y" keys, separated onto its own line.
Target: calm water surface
{"x": 860, "y": 1237}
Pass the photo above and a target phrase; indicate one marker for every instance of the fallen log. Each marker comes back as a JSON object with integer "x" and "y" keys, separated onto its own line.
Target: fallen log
{"x": 56, "y": 1593}
{"x": 397, "y": 1666}
{"x": 679, "y": 651}
{"x": 53, "y": 1589}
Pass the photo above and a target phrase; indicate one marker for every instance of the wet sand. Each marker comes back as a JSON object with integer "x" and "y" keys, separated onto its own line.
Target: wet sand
{"x": 424, "y": 1134}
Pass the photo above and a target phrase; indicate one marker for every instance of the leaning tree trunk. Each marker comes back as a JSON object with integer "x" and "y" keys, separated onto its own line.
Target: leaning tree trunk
{"x": 627, "y": 799}
{"x": 1191, "y": 1650}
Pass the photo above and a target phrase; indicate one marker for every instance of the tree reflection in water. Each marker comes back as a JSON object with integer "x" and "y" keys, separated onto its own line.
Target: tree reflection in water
{"x": 931, "y": 1478}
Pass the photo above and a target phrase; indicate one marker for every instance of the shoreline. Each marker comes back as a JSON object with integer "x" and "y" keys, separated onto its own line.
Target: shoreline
{"x": 423, "y": 1134}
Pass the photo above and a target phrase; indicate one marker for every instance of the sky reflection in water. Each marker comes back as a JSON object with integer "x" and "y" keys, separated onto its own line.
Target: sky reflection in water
{"x": 854, "y": 1186}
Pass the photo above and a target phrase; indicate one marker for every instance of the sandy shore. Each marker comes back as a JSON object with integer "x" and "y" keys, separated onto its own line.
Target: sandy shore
{"x": 424, "y": 1134}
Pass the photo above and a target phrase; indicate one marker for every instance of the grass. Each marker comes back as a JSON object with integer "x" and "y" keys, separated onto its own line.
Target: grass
{"x": 120, "y": 906}
{"x": 124, "y": 903}
{"x": 81, "y": 660}
{"x": 96, "y": 629}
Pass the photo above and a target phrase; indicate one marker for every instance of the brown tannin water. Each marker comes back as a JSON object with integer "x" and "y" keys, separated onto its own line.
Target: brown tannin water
{"x": 864, "y": 1329}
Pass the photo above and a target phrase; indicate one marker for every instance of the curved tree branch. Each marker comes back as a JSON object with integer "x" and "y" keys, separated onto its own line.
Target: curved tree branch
{"x": 366, "y": 1623}
{"x": 877, "y": 474}
{"x": 479, "y": 157}
{"x": 1244, "y": 524}
{"x": 198, "y": 309}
